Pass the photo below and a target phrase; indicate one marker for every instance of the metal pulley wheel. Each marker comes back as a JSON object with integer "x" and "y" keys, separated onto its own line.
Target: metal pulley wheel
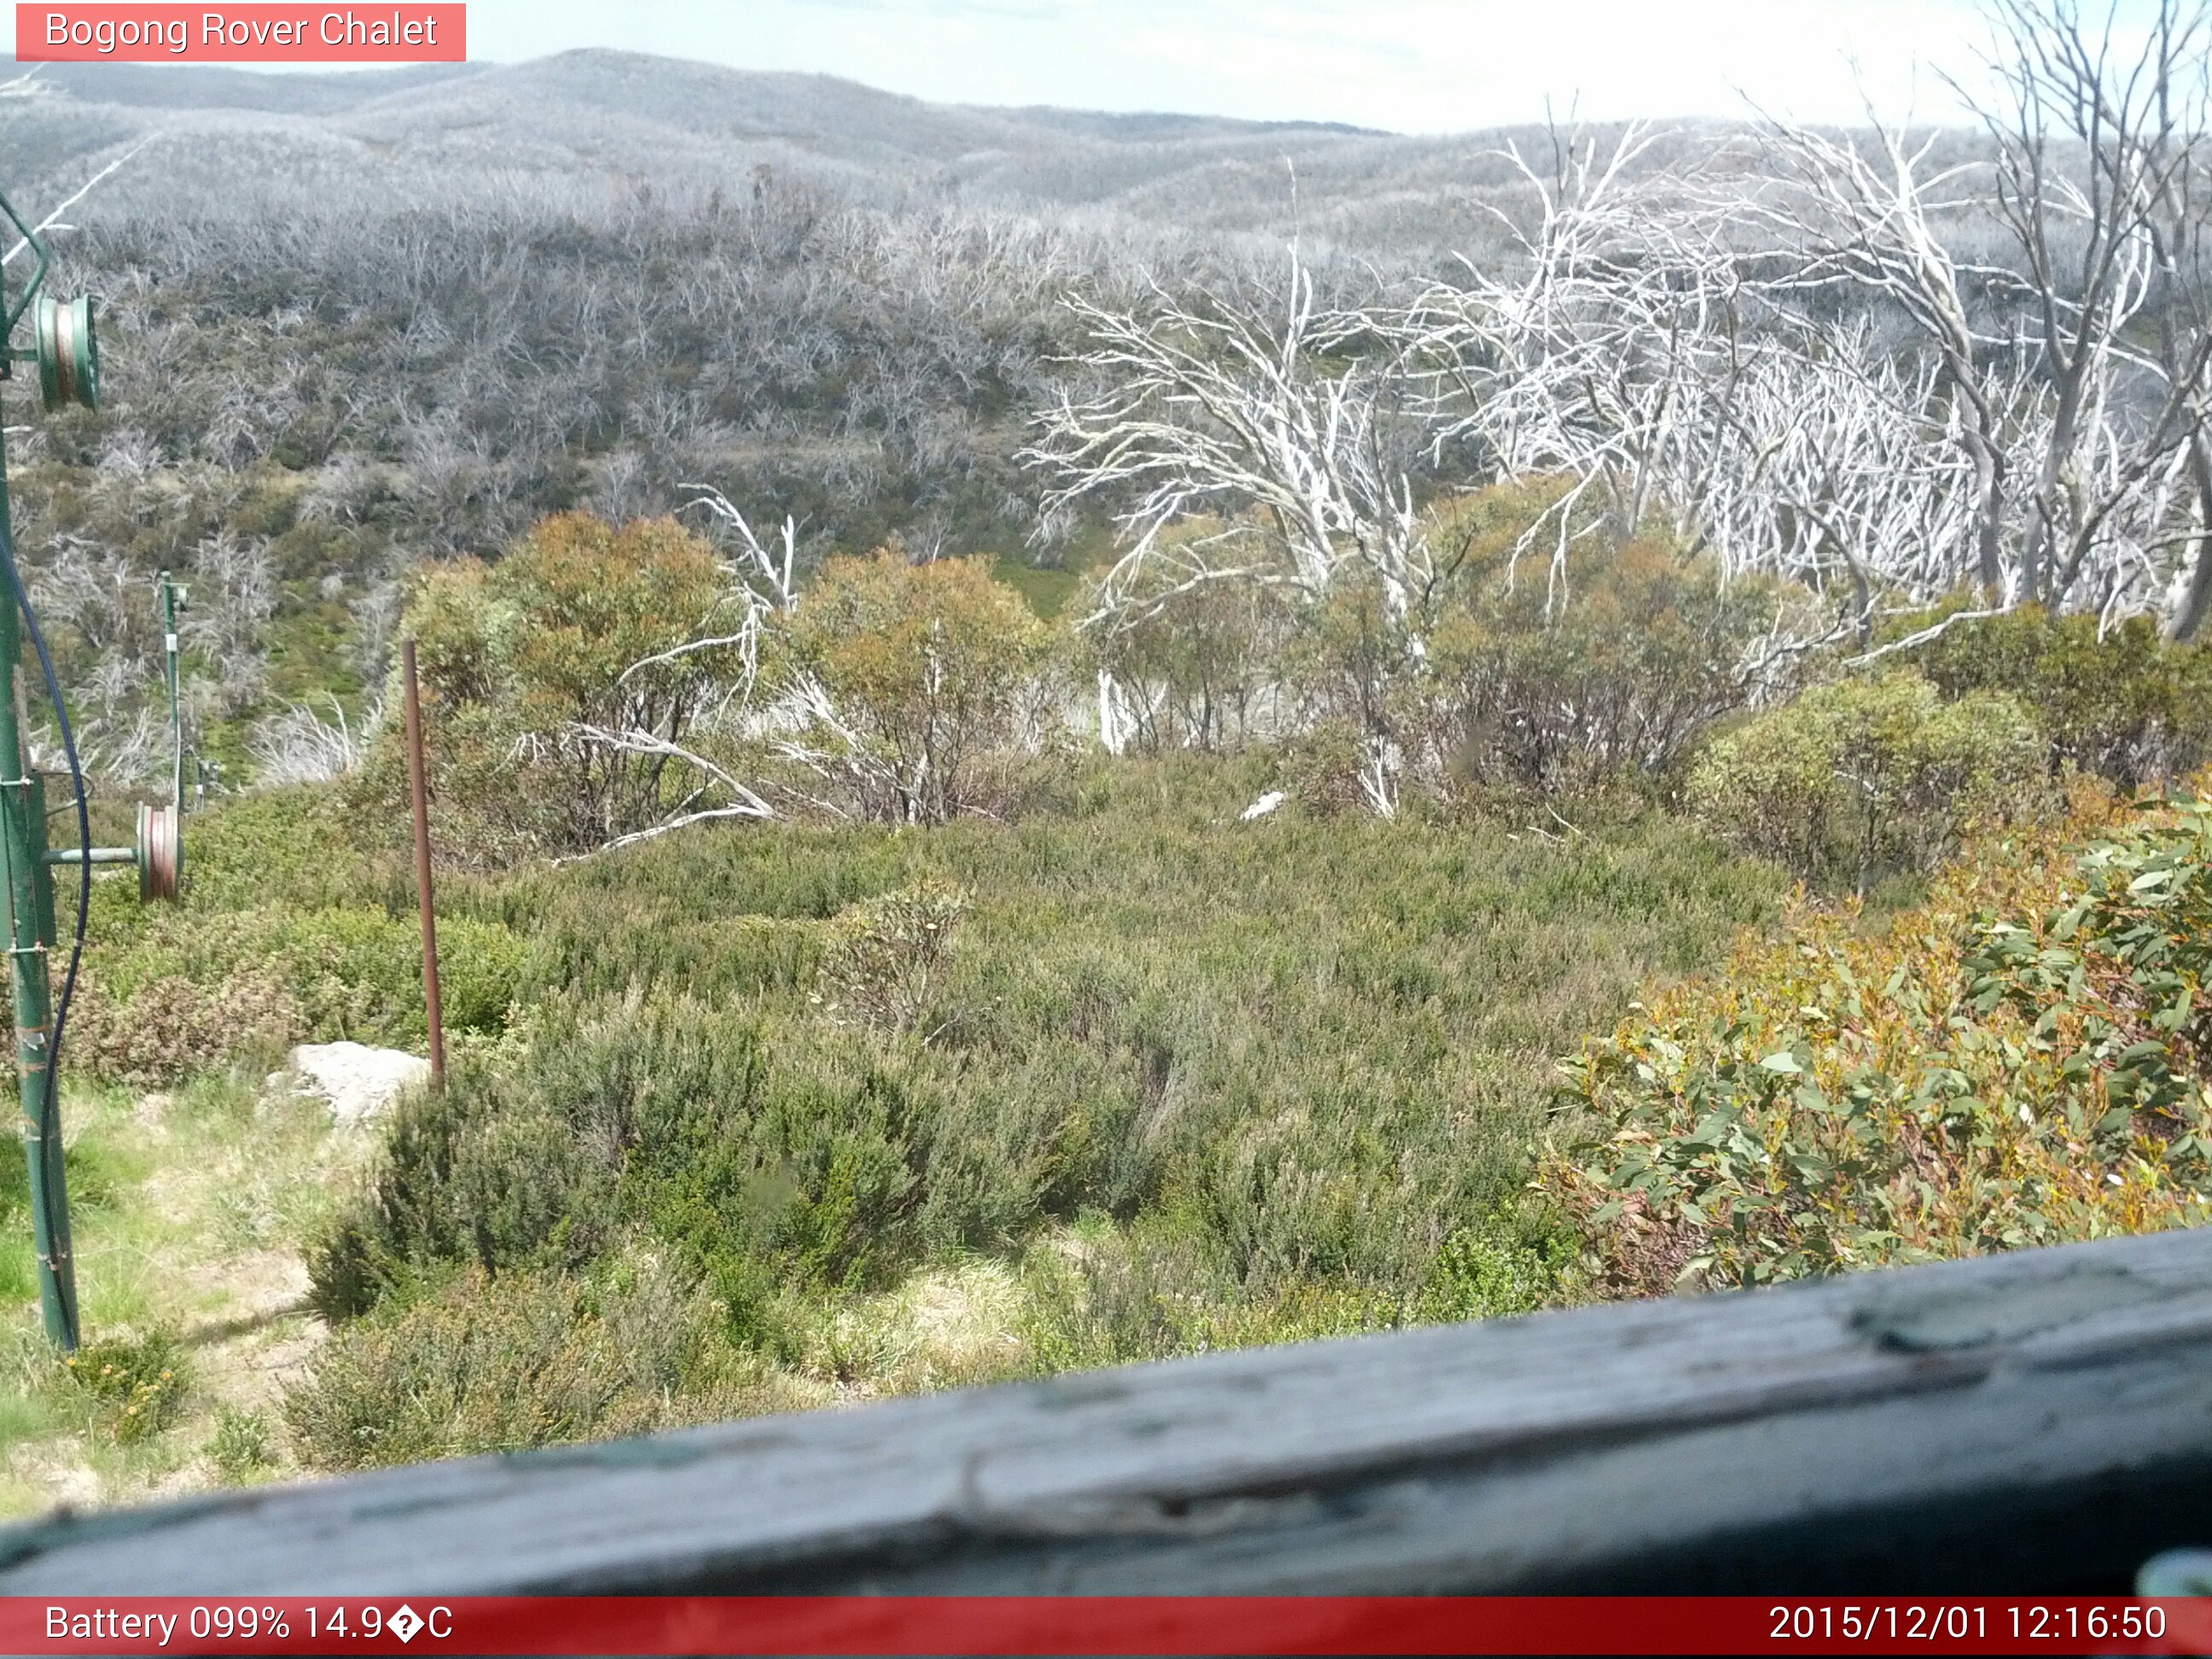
{"x": 161, "y": 852}
{"x": 69, "y": 351}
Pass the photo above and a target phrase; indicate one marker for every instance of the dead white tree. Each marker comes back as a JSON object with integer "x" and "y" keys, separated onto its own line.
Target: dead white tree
{"x": 52, "y": 221}
{"x": 1718, "y": 344}
{"x": 1639, "y": 353}
{"x": 1866, "y": 217}
{"x": 1586, "y": 355}
{"x": 1288, "y": 425}
{"x": 762, "y": 576}
{"x": 1833, "y": 465}
{"x": 1265, "y": 412}
{"x": 1802, "y": 359}
{"x": 761, "y": 590}
{"x": 2074, "y": 429}
{"x": 2100, "y": 147}
{"x": 298, "y": 745}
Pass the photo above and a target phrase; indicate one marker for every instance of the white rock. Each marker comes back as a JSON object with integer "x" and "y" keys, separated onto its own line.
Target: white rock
{"x": 1260, "y": 808}
{"x": 359, "y": 1081}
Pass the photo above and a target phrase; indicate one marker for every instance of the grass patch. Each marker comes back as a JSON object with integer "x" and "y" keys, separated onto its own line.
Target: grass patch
{"x": 189, "y": 1211}
{"x": 1170, "y": 1081}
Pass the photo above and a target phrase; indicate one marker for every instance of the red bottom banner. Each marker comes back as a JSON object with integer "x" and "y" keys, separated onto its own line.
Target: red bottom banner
{"x": 1099, "y": 1625}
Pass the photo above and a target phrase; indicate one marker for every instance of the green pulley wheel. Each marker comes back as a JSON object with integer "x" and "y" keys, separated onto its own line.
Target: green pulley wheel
{"x": 69, "y": 352}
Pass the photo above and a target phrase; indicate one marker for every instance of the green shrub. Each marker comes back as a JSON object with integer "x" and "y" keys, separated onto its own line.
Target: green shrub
{"x": 1489, "y": 1271}
{"x": 139, "y": 1383}
{"x": 735, "y": 915}
{"x": 241, "y": 1445}
{"x": 938, "y": 676}
{"x": 170, "y": 1027}
{"x": 1196, "y": 665}
{"x": 1259, "y": 1072}
{"x": 1106, "y": 1295}
{"x": 670, "y": 1115}
{"x": 1103, "y": 1297}
{"x": 1868, "y": 775}
{"x": 524, "y": 1359}
{"x": 1504, "y": 673}
{"x": 188, "y": 988}
{"x": 1542, "y": 682}
{"x": 486, "y": 1172}
{"x": 1507, "y": 674}
{"x": 886, "y": 958}
{"x": 1328, "y": 769}
{"x": 520, "y": 660}
{"x": 2119, "y": 701}
{"x": 293, "y": 846}
{"x": 2016, "y": 1063}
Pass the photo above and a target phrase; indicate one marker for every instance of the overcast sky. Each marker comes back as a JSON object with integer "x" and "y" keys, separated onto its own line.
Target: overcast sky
{"x": 1411, "y": 65}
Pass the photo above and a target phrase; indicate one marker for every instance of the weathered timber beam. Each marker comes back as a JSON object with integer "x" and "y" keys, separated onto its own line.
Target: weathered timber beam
{"x": 2040, "y": 1421}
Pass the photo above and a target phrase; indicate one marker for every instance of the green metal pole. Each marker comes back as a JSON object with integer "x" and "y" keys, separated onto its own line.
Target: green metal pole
{"x": 176, "y": 712}
{"x": 22, "y": 851}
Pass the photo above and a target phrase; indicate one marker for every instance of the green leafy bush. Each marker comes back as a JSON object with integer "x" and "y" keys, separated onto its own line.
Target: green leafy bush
{"x": 484, "y": 1173}
{"x": 1492, "y": 1270}
{"x": 1868, "y": 775}
{"x": 2016, "y": 1063}
{"x": 1329, "y": 769}
{"x": 288, "y": 931}
{"x": 758, "y": 1165}
{"x": 297, "y": 846}
{"x": 241, "y": 1445}
{"x": 1504, "y": 667}
{"x": 523, "y": 659}
{"x": 1106, "y": 1297}
{"x": 2119, "y": 701}
{"x": 938, "y": 676}
{"x": 197, "y": 988}
{"x": 1196, "y": 666}
{"x": 1190, "y": 1082}
{"x": 1319, "y": 1043}
{"x": 1542, "y": 681}
{"x": 171, "y": 1027}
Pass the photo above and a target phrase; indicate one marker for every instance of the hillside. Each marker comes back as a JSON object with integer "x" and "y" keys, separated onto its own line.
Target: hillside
{"x": 1055, "y": 738}
{"x": 591, "y": 119}
{"x": 353, "y": 320}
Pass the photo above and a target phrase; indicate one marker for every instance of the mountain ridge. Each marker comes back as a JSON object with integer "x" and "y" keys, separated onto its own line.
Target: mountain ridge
{"x": 596, "y": 118}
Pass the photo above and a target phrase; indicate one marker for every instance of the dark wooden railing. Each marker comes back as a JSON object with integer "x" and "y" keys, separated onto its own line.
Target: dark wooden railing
{"x": 2040, "y": 1421}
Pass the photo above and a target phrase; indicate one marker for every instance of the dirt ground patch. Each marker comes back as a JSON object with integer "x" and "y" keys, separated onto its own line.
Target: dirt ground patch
{"x": 191, "y": 1212}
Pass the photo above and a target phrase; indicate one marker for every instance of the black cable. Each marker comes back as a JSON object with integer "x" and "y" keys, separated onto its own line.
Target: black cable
{"x": 50, "y": 1115}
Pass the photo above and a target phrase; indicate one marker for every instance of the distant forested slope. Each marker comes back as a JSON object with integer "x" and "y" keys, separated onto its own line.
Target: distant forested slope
{"x": 580, "y": 121}
{"x": 355, "y": 320}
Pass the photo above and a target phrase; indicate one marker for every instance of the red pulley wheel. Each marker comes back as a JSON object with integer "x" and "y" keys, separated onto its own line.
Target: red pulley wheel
{"x": 161, "y": 852}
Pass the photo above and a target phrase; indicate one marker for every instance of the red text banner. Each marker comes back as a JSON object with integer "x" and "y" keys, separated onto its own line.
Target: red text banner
{"x": 259, "y": 34}
{"x": 1099, "y": 1625}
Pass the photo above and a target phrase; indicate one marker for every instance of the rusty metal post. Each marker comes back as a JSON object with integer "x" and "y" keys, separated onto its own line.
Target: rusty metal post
{"x": 421, "y": 790}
